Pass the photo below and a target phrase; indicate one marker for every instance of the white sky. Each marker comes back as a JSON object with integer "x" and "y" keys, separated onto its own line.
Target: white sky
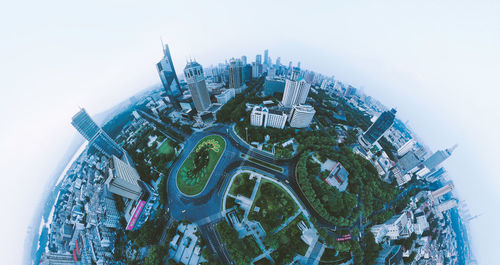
{"x": 437, "y": 62}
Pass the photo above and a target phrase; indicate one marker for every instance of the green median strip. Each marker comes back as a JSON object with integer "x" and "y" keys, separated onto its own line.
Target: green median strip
{"x": 264, "y": 164}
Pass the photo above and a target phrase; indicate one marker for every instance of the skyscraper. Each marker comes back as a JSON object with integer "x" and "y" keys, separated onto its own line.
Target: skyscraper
{"x": 97, "y": 137}
{"x": 235, "y": 73}
{"x": 168, "y": 77}
{"x": 196, "y": 83}
{"x": 247, "y": 73}
{"x": 244, "y": 60}
{"x": 438, "y": 157}
{"x": 278, "y": 61}
{"x": 266, "y": 57}
{"x": 258, "y": 59}
{"x": 296, "y": 92}
{"x": 378, "y": 128}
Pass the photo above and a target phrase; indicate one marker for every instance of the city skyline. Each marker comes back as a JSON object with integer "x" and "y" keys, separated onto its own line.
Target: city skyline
{"x": 441, "y": 120}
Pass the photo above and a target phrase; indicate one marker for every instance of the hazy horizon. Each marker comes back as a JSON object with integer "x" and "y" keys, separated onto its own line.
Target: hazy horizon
{"x": 435, "y": 62}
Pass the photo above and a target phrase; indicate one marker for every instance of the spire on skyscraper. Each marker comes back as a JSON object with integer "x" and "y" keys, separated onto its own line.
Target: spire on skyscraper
{"x": 451, "y": 149}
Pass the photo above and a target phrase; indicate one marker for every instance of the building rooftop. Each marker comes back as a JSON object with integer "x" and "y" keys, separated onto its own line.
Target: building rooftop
{"x": 276, "y": 112}
{"x": 125, "y": 171}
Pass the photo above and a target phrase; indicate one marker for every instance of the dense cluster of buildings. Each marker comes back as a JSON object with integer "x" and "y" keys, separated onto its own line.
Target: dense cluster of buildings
{"x": 426, "y": 207}
{"x": 424, "y": 223}
{"x": 87, "y": 216}
{"x": 292, "y": 109}
{"x": 202, "y": 96}
{"x": 102, "y": 192}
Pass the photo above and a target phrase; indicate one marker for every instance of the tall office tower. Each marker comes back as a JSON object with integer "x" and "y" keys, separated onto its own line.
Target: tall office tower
{"x": 298, "y": 64}
{"x": 97, "y": 137}
{"x": 294, "y": 73}
{"x": 266, "y": 57}
{"x": 445, "y": 206}
{"x": 324, "y": 83}
{"x": 278, "y": 61}
{"x": 378, "y": 128}
{"x": 235, "y": 77}
{"x": 296, "y": 92}
{"x": 258, "y": 59}
{"x": 247, "y": 73}
{"x": 350, "y": 91}
{"x": 244, "y": 60}
{"x": 196, "y": 83}
{"x": 290, "y": 65}
{"x": 405, "y": 148}
{"x": 255, "y": 70}
{"x": 438, "y": 157}
{"x": 436, "y": 175}
{"x": 442, "y": 191}
{"x": 169, "y": 78}
{"x": 309, "y": 77}
{"x": 301, "y": 116}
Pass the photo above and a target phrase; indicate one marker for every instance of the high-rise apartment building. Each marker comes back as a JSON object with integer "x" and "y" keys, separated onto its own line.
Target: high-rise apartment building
{"x": 168, "y": 77}
{"x": 197, "y": 85}
{"x": 97, "y": 137}
{"x": 379, "y": 127}
{"x": 301, "y": 116}
{"x": 296, "y": 91}
{"x": 244, "y": 60}
{"x": 438, "y": 157}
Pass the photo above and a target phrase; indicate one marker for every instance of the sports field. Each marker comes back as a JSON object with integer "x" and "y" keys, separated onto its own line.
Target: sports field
{"x": 191, "y": 182}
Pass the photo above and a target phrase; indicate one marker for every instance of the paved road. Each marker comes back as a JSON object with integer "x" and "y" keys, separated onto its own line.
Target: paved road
{"x": 208, "y": 202}
{"x": 212, "y": 238}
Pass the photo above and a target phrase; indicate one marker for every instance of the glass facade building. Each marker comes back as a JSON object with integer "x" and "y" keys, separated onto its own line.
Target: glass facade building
{"x": 378, "y": 128}
{"x": 97, "y": 138}
{"x": 168, "y": 77}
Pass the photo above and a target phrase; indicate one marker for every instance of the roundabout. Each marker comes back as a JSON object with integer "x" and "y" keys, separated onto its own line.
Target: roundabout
{"x": 201, "y": 202}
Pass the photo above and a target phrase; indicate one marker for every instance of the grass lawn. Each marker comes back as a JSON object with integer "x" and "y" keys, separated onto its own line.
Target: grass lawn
{"x": 193, "y": 183}
{"x": 166, "y": 147}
